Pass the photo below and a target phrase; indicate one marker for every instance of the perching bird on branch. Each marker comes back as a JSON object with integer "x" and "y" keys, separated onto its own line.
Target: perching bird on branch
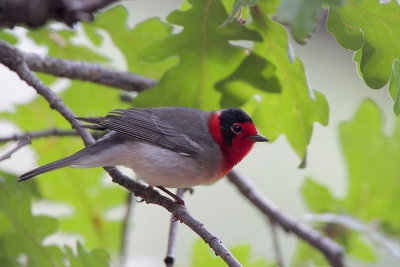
{"x": 168, "y": 146}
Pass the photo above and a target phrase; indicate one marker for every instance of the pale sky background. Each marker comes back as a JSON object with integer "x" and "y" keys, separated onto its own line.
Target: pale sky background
{"x": 271, "y": 167}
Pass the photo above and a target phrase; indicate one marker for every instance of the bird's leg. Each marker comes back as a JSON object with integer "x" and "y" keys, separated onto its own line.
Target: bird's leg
{"x": 177, "y": 199}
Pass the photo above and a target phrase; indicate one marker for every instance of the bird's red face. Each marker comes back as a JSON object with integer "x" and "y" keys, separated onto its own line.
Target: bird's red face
{"x": 235, "y": 133}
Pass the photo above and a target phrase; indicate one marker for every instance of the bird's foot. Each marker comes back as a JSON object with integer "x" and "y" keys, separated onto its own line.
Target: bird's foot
{"x": 177, "y": 199}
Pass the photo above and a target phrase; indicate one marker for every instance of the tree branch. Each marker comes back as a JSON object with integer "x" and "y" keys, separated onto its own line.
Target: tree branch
{"x": 275, "y": 243}
{"x": 125, "y": 230}
{"x": 39, "y": 134}
{"x": 23, "y": 141}
{"x": 46, "y": 133}
{"x": 37, "y": 13}
{"x": 14, "y": 59}
{"x": 332, "y": 251}
{"x": 85, "y": 71}
{"x": 173, "y": 230}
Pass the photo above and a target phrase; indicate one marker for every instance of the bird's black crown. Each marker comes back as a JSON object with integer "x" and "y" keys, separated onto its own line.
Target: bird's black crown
{"x": 227, "y": 118}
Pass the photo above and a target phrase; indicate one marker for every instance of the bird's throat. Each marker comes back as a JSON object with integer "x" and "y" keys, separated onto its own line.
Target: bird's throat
{"x": 233, "y": 153}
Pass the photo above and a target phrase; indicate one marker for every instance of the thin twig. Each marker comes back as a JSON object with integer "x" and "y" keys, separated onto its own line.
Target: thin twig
{"x": 275, "y": 243}
{"x": 85, "y": 71}
{"x": 23, "y": 141}
{"x": 125, "y": 229}
{"x": 173, "y": 230}
{"x": 45, "y": 133}
{"x": 13, "y": 58}
{"x": 38, "y": 134}
{"x": 332, "y": 251}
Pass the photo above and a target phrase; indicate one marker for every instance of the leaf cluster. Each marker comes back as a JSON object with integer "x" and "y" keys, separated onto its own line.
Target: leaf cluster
{"x": 22, "y": 233}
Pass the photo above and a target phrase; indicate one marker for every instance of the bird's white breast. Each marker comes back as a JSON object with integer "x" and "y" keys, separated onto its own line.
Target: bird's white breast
{"x": 162, "y": 167}
{"x": 157, "y": 166}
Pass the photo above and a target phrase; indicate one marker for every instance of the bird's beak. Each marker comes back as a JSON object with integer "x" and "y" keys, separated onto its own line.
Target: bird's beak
{"x": 258, "y": 138}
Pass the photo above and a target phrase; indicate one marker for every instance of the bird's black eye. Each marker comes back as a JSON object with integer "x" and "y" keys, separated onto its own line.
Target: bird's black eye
{"x": 236, "y": 128}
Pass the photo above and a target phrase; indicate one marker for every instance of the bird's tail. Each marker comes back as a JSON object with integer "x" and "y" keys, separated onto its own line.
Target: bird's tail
{"x": 96, "y": 155}
{"x": 58, "y": 164}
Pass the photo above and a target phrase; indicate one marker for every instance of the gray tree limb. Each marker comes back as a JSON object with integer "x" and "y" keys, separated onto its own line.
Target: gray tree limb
{"x": 173, "y": 231}
{"x": 39, "y": 134}
{"x": 275, "y": 243}
{"x": 23, "y": 141}
{"x": 125, "y": 230}
{"x": 85, "y": 71}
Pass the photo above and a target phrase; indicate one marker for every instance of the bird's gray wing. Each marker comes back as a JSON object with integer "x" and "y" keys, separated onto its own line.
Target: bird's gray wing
{"x": 150, "y": 125}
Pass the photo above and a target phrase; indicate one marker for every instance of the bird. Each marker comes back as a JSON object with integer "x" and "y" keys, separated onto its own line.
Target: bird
{"x": 174, "y": 147}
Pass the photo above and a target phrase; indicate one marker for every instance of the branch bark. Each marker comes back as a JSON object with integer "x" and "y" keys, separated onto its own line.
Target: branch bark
{"x": 85, "y": 71}
{"x": 173, "y": 231}
{"x": 275, "y": 243}
{"x": 23, "y": 141}
{"x": 14, "y": 59}
{"x": 39, "y": 134}
{"x": 125, "y": 230}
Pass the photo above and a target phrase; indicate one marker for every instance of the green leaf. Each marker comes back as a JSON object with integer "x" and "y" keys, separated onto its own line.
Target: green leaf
{"x": 84, "y": 258}
{"x": 203, "y": 256}
{"x": 6, "y": 224}
{"x": 302, "y": 15}
{"x": 354, "y": 244}
{"x": 129, "y": 41}
{"x": 8, "y": 37}
{"x": 243, "y": 254}
{"x": 372, "y": 27}
{"x": 21, "y": 232}
{"x": 318, "y": 197}
{"x": 306, "y": 255}
{"x": 293, "y": 111}
{"x": 80, "y": 188}
{"x": 394, "y": 86}
{"x": 28, "y": 188}
{"x": 359, "y": 247}
{"x": 372, "y": 159}
{"x": 254, "y": 76}
{"x": 374, "y": 186}
{"x": 205, "y": 57}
